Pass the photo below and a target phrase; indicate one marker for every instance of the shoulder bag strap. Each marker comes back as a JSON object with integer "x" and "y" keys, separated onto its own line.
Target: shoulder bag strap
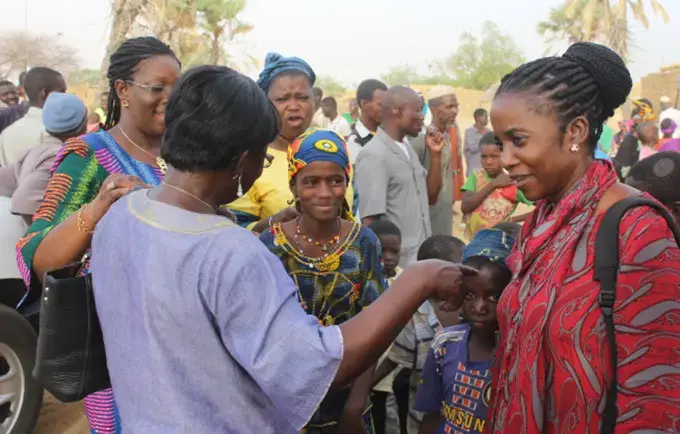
{"x": 606, "y": 272}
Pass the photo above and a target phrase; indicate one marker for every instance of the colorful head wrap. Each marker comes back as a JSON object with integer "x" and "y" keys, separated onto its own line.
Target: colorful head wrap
{"x": 319, "y": 145}
{"x": 275, "y": 64}
{"x": 494, "y": 244}
{"x": 644, "y": 109}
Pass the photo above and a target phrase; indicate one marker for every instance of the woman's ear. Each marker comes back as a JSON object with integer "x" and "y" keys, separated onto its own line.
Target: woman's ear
{"x": 577, "y": 133}
{"x": 122, "y": 90}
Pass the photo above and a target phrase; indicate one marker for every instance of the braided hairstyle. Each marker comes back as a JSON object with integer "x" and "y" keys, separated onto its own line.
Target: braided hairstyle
{"x": 588, "y": 80}
{"x": 124, "y": 62}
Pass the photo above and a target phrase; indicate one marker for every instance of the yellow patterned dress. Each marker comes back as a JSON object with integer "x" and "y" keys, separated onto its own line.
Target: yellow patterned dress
{"x": 333, "y": 289}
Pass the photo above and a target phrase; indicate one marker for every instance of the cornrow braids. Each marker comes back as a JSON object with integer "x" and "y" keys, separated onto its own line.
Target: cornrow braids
{"x": 124, "y": 62}
{"x": 589, "y": 80}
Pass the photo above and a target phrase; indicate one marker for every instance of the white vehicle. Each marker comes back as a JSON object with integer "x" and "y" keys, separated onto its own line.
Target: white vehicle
{"x": 20, "y": 393}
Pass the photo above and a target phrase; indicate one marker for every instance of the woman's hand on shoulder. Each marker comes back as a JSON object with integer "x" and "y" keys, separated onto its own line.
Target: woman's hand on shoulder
{"x": 114, "y": 187}
{"x": 441, "y": 280}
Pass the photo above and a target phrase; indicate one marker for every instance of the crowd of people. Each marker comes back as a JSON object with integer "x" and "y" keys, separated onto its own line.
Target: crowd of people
{"x": 263, "y": 263}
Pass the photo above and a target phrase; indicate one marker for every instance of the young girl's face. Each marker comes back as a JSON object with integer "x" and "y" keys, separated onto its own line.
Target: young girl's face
{"x": 481, "y": 298}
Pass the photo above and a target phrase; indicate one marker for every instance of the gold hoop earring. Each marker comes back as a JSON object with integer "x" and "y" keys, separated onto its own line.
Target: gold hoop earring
{"x": 124, "y": 103}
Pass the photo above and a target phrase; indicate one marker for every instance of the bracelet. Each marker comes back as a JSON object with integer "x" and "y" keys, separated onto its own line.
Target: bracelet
{"x": 82, "y": 225}
{"x": 270, "y": 221}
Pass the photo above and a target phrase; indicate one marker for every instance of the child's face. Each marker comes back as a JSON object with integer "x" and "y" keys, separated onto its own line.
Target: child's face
{"x": 391, "y": 249}
{"x": 491, "y": 159}
{"x": 481, "y": 298}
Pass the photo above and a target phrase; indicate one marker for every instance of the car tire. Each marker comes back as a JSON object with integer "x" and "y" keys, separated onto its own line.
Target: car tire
{"x": 18, "y": 342}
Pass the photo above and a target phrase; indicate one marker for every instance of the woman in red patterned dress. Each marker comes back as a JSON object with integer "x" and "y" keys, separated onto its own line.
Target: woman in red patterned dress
{"x": 552, "y": 365}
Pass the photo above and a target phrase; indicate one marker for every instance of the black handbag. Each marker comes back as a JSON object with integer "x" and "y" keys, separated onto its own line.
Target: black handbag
{"x": 71, "y": 361}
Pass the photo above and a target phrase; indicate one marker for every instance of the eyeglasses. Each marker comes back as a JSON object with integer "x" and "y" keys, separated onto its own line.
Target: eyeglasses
{"x": 155, "y": 89}
{"x": 268, "y": 159}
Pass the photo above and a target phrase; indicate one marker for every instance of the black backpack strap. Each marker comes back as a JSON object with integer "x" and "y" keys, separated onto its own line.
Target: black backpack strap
{"x": 357, "y": 137}
{"x": 606, "y": 272}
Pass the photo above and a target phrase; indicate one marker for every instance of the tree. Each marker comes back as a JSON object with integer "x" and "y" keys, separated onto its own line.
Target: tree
{"x": 479, "y": 63}
{"x": 331, "y": 86}
{"x": 124, "y": 14}
{"x": 19, "y": 52}
{"x": 87, "y": 77}
{"x": 402, "y": 75}
{"x": 559, "y": 27}
{"x": 197, "y": 30}
{"x": 221, "y": 23}
{"x": 609, "y": 20}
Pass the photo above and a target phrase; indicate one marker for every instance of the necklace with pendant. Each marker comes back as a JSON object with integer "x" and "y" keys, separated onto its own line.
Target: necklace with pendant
{"x": 159, "y": 161}
{"x": 324, "y": 245}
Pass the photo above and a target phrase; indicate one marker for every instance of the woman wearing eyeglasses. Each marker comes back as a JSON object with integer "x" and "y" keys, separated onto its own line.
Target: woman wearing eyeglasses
{"x": 288, "y": 82}
{"x": 94, "y": 170}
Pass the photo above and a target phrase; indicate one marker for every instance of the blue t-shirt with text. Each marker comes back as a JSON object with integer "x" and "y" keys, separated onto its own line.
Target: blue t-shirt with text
{"x": 453, "y": 386}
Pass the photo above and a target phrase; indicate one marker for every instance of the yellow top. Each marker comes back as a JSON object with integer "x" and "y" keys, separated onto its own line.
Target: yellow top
{"x": 270, "y": 193}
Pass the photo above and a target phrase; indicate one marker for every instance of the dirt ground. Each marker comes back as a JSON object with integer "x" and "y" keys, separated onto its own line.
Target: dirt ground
{"x": 58, "y": 418}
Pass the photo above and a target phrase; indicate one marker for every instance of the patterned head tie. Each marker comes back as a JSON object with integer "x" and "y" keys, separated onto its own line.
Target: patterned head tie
{"x": 275, "y": 65}
{"x": 494, "y": 244}
{"x": 319, "y": 145}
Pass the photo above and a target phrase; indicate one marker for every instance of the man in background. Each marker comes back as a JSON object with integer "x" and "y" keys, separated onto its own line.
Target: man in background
{"x": 669, "y": 112}
{"x": 353, "y": 115}
{"x": 25, "y": 181}
{"x": 370, "y": 94}
{"x": 473, "y": 135}
{"x": 319, "y": 120}
{"x": 21, "y": 89}
{"x": 444, "y": 107}
{"x": 9, "y": 94}
{"x": 391, "y": 181}
{"x": 29, "y": 131}
{"x": 329, "y": 107}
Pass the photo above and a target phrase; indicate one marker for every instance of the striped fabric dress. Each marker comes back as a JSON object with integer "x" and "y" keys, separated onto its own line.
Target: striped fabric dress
{"x": 79, "y": 171}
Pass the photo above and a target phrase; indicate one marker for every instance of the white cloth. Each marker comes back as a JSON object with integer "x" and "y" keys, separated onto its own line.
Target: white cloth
{"x": 12, "y": 228}
{"x": 674, "y": 114}
{"x": 353, "y": 145}
{"x": 404, "y": 147}
{"x": 340, "y": 126}
{"x": 24, "y": 134}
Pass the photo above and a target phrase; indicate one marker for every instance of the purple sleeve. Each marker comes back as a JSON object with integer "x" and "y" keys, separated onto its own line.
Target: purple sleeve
{"x": 10, "y": 115}
{"x": 255, "y": 311}
{"x": 429, "y": 397}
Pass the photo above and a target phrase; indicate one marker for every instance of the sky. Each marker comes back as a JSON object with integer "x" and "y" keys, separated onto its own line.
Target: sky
{"x": 350, "y": 39}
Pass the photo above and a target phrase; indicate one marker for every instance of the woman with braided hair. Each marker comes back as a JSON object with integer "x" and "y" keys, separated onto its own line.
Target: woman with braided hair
{"x": 552, "y": 368}
{"x": 91, "y": 172}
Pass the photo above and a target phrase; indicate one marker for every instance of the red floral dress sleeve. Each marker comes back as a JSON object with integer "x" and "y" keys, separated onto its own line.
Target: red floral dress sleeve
{"x": 647, "y": 324}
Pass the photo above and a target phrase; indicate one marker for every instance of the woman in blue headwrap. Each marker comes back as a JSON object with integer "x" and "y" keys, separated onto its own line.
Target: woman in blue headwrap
{"x": 288, "y": 82}
{"x": 334, "y": 261}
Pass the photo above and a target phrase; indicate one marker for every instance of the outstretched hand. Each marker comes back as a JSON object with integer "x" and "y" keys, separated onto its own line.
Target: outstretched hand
{"x": 443, "y": 279}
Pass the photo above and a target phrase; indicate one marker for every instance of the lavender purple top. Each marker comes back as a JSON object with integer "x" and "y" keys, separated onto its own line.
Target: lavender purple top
{"x": 197, "y": 317}
{"x": 670, "y": 145}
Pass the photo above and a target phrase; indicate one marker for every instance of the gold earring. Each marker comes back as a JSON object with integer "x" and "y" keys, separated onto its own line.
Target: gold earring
{"x": 124, "y": 103}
